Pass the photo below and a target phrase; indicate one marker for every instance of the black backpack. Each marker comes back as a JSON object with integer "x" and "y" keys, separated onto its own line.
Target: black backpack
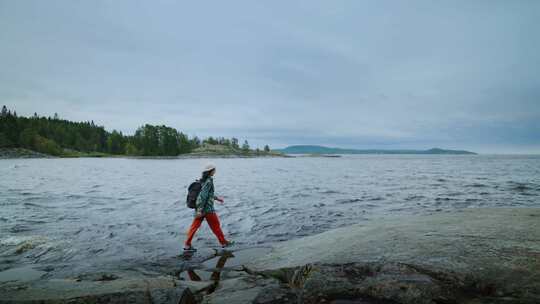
{"x": 193, "y": 191}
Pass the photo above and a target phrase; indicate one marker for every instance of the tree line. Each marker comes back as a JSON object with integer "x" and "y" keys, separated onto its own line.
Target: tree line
{"x": 55, "y": 136}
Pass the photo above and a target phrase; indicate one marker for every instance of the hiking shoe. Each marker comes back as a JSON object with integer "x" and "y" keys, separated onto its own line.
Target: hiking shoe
{"x": 228, "y": 244}
{"x": 190, "y": 249}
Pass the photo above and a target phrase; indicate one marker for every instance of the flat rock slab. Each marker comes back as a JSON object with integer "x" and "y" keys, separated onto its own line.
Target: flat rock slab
{"x": 472, "y": 256}
{"x": 459, "y": 241}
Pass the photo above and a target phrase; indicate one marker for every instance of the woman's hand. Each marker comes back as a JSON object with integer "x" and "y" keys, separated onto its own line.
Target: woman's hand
{"x": 199, "y": 214}
{"x": 220, "y": 199}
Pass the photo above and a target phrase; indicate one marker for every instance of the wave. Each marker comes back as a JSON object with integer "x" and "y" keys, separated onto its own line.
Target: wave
{"x": 476, "y": 185}
{"x": 34, "y": 221}
{"x": 269, "y": 210}
{"x": 27, "y": 204}
{"x": 517, "y": 186}
{"x": 439, "y": 199}
{"x": 414, "y": 197}
{"x": 20, "y": 228}
{"x": 304, "y": 230}
{"x": 8, "y": 203}
{"x": 74, "y": 196}
{"x": 106, "y": 209}
{"x": 330, "y": 192}
{"x": 348, "y": 201}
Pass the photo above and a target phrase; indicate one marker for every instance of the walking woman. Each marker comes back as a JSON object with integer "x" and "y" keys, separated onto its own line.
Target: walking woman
{"x": 205, "y": 210}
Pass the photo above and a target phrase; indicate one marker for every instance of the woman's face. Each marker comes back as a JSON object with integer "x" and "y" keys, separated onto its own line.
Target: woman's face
{"x": 212, "y": 172}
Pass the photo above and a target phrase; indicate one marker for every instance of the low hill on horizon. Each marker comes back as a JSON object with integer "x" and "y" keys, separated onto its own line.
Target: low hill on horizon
{"x": 314, "y": 149}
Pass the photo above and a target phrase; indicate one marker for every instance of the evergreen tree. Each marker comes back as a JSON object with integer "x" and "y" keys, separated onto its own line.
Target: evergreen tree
{"x": 46, "y": 146}
{"x": 210, "y": 141}
{"x": 27, "y": 139}
{"x": 115, "y": 143}
{"x": 147, "y": 140}
{"x": 185, "y": 145}
{"x": 4, "y": 141}
{"x": 245, "y": 147}
{"x": 131, "y": 149}
{"x": 234, "y": 143}
{"x": 169, "y": 141}
{"x": 195, "y": 143}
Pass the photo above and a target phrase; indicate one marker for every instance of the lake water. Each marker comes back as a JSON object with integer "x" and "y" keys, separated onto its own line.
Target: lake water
{"x": 82, "y": 213}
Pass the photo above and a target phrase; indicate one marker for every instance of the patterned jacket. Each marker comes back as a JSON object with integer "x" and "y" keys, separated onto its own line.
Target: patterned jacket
{"x": 205, "y": 200}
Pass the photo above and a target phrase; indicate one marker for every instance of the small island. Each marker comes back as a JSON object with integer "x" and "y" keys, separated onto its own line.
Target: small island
{"x": 39, "y": 137}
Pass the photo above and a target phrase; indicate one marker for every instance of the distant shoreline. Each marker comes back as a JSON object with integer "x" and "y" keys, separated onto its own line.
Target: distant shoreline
{"x": 313, "y": 149}
{"x": 21, "y": 153}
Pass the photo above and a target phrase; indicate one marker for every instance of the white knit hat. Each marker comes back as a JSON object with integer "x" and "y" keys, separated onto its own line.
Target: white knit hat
{"x": 209, "y": 167}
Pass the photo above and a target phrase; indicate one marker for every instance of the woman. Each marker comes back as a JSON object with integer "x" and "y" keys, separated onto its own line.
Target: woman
{"x": 205, "y": 210}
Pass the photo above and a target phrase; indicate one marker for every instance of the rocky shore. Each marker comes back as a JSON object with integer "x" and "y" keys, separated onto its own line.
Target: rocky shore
{"x": 9, "y": 153}
{"x": 21, "y": 153}
{"x": 472, "y": 256}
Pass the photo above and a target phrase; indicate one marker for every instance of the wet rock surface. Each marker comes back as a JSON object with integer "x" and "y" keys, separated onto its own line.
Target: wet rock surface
{"x": 187, "y": 278}
{"x": 475, "y": 256}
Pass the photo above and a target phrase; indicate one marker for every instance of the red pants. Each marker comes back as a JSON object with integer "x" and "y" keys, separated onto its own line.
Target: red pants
{"x": 213, "y": 222}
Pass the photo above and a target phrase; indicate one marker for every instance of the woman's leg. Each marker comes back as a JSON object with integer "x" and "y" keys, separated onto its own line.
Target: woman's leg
{"x": 213, "y": 222}
{"x": 191, "y": 232}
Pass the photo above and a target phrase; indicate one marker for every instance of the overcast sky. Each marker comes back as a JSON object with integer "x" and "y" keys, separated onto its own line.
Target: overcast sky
{"x": 363, "y": 74}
